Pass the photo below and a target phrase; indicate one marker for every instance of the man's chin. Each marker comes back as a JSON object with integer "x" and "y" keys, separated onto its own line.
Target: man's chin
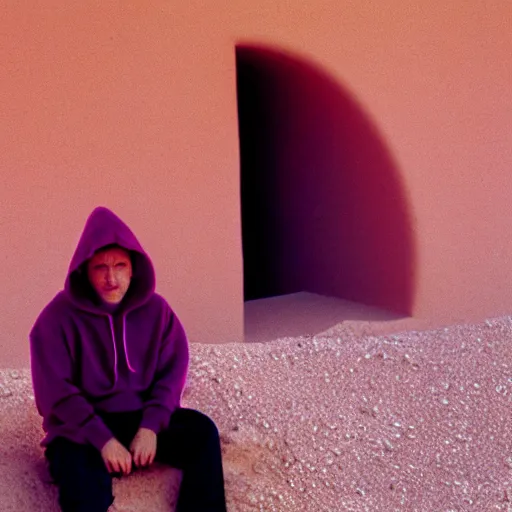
{"x": 113, "y": 301}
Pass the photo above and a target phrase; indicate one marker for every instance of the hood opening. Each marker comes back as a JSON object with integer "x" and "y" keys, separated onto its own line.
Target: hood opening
{"x": 104, "y": 229}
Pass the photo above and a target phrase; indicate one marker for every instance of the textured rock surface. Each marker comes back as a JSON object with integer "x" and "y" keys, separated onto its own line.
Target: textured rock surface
{"x": 347, "y": 420}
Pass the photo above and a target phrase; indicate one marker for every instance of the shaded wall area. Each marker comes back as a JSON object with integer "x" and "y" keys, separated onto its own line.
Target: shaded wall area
{"x": 323, "y": 206}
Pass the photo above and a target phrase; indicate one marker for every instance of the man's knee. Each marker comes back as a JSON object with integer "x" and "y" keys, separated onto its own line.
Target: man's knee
{"x": 200, "y": 428}
{"x": 204, "y": 425}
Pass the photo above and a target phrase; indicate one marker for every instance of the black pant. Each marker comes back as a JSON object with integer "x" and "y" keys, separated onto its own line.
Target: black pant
{"x": 190, "y": 443}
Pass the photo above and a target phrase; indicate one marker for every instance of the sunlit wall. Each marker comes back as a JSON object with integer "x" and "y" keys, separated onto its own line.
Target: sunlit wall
{"x": 132, "y": 105}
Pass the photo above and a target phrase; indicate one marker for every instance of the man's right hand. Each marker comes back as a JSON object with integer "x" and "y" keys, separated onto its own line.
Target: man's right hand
{"x": 116, "y": 457}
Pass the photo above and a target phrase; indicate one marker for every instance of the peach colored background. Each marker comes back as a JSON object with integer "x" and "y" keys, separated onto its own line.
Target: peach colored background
{"x": 132, "y": 105}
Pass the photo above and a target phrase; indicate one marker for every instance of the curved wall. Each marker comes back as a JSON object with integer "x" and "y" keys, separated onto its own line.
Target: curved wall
{"x": 133, "y": 105}
{"x": 323, "y": 204}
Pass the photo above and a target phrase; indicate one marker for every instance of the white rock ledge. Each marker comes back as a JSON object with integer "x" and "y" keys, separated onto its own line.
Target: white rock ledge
{"x": 348, "y": 421}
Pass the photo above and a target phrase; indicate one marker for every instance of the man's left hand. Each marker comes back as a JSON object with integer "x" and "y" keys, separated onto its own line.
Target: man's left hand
{"x": 143, "y": 447}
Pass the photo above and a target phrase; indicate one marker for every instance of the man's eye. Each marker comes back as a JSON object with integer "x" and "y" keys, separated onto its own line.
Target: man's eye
{"x": 121, "y": 265}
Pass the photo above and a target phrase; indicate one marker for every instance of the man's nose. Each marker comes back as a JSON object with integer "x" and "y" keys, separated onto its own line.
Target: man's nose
{"x": 110, "y": 276}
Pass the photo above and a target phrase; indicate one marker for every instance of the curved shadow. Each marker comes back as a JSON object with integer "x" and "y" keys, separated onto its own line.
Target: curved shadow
{"x": 323, "y": 205}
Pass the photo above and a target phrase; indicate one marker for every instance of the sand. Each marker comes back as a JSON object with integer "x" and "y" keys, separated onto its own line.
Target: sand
{"x": 354, "y": 419}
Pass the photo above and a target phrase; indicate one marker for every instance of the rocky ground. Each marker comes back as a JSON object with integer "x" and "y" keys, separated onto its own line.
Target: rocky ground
{"x": 346, "y": 420}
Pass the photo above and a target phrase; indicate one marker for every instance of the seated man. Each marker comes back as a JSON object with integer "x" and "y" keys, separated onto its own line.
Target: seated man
{"x": 109, "y": 361}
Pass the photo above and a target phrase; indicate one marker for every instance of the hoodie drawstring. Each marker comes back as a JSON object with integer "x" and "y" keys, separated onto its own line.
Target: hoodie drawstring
{"x": 111, "y": 321}
{"x": 112, "y": 331}
{"x": 125, "y": 347}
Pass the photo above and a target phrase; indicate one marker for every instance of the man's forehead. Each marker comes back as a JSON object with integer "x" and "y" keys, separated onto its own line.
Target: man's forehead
{"x": 111, "y": 253}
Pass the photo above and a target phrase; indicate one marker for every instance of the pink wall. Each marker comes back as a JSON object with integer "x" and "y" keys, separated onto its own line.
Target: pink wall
{"x": 435, "y": 80}
{"x": 133, "y": 106}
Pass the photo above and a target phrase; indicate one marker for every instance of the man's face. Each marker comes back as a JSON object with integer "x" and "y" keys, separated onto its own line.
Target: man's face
{"x": 110, "y": 273}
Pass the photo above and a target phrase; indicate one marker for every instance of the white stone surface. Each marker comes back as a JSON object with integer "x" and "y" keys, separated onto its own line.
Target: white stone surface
{"x": 346, "y": 421}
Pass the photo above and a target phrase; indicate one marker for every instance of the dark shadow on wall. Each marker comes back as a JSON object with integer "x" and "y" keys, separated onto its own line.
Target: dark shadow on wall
{"x": 323, "y": 206}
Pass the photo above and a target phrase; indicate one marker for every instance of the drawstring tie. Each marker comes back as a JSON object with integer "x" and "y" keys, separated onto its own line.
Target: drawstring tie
{"x": 112, "y": 331}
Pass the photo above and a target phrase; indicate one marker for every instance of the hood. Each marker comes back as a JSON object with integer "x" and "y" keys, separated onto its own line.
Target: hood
{"x": 103, "y": 228}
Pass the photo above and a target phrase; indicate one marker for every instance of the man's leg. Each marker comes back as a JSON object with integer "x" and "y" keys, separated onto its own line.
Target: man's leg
{"x": 81, "y": 476}
{"x": 191, "y": 443}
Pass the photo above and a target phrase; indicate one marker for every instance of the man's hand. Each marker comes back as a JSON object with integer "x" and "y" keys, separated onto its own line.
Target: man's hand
{"x": 143, "y": 447}
{"x": 116, "y": 457}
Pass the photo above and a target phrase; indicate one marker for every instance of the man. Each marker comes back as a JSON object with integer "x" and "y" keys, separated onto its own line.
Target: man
{"x": 109, "y": 361}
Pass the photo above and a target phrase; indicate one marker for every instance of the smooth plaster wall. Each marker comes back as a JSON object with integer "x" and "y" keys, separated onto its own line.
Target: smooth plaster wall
{"x": 435, "y": 79}
{"x": 132, "y": 105}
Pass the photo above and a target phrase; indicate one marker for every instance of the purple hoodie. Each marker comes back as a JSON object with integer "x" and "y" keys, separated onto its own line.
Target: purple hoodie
{"x": 88, "y": 358}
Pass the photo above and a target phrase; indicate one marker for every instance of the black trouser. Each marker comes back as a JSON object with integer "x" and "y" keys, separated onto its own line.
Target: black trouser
{"x": 190, "y": 443}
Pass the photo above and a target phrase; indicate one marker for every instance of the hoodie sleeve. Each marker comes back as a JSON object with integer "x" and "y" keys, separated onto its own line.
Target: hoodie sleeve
{"x": 170, "y": 377}
{"x": 55, "y": 392}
